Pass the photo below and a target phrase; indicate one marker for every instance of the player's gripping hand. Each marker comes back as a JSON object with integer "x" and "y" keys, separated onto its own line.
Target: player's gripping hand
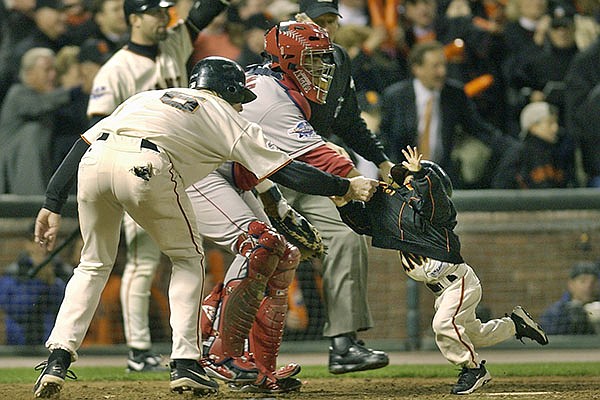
{"x": 47, "y": 224}
{"x": 361, "y": 189}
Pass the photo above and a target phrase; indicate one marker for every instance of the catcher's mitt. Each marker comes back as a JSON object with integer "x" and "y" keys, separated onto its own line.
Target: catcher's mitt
{"x": 296, "y": 229}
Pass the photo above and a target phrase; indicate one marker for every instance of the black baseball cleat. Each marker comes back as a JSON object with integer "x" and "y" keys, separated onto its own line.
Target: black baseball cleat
{"x": 471, "y": 379}
{"x": 144, "y": 361}
{"x": 346, "y": 354}
{"x": 527, "y": 327}
{"x": 50, "y": 382}
{"x": 188, "y": 375}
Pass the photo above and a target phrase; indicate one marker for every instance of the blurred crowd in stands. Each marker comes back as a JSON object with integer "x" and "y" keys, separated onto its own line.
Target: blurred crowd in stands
{"x": 490, "y": 59}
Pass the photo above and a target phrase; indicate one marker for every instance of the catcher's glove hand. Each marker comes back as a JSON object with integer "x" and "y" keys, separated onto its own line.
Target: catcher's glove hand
{"x": 296, "y": 229}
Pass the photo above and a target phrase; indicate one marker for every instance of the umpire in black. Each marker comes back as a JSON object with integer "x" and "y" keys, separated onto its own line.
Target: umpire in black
{"x": 341, "y": 116}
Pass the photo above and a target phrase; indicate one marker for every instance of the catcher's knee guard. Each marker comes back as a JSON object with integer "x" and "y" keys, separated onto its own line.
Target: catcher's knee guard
{"x": 243, "y": 299}
{"x": 267, "y": 330}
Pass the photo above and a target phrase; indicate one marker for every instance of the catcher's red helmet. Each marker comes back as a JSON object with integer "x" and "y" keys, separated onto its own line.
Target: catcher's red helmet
{"x": 304, "y": 52}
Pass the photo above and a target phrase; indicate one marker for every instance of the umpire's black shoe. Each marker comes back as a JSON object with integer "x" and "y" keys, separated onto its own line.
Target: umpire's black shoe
{"x": 51, "y": 379}
{"x": 471, "y": 379}
{"x": 346, "y": 354}
{"x": 189, "y": 375}
{"x": 527, "y": 327}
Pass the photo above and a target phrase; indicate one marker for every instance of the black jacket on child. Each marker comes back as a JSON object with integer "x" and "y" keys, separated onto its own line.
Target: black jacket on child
{"x": 418, "y": 218}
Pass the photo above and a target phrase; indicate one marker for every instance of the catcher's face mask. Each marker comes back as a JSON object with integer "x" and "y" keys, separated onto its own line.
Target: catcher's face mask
{"x": 304, "y": 52}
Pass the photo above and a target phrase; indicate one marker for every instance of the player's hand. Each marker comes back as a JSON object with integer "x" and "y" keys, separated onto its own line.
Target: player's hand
{"x": 361, "y": 188}
{"x": 47, "y": 224}
{"x": 413, "y": 159}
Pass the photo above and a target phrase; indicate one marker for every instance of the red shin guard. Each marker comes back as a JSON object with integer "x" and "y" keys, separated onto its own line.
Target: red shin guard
{"x": 267, "y": 330}
{"x": 243, "y": 300}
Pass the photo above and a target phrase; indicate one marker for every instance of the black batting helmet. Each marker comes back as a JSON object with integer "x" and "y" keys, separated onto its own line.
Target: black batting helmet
{"x": 398, "y": 173}
{"x": 223, "y": 76}
{"x": 141, "y": 6}
{"x": 439, "y": 171}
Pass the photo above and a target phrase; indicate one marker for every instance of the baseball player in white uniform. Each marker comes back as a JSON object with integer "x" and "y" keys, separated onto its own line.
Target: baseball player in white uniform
{"x": 224, "y": 210}
{"x": 417, "y": 218}
{"x": 154, "y": 58}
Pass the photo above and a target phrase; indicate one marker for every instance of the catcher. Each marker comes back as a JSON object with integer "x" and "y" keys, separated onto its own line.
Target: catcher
{"x": 415, "y": 216}
{"x": 243, "y": 318}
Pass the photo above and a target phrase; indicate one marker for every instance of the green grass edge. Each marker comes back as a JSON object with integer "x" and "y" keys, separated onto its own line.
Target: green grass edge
{"x": 25, "y": 375}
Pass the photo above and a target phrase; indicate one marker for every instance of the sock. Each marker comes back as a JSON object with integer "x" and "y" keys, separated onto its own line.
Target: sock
{"x": 185, "y": 363}
{"x": 63, "y": 357}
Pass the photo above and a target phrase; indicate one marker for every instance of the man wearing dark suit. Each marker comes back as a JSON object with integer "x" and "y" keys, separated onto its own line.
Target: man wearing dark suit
{"x": 452, "y": 115}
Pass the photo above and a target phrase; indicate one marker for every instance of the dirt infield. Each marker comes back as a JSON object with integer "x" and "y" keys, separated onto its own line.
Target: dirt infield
{"x": 534, "y": 388}
{"x": 344, "y": 388}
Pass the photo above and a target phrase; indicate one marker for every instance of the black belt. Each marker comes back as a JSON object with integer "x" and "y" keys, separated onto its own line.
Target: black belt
{"x": 146, "y": 144}
{"x": 438, "y": 287}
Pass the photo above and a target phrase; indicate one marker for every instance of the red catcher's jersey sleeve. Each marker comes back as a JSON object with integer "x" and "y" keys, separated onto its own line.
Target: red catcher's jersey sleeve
{"x": 328, "y": 160}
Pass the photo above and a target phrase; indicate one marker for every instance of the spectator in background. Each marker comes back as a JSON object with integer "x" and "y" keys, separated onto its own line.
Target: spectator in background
{"x": 254, "y": 39}
{"x": 572, "y": 314}
{"x": 372, "y": 68}
{"x": 582, "y": 96}
{"x": 220, "y": 38}
{"x": 542, "y": 77}
{"x": 92, "y": 55}
{"x": 355, "y": 12}
{"x": 545, "y": 76}
{"x": 537, "y": 162}
{"x": 29, "y": 303}
{"x": 77, "y": 13}
{"x": 470, "y": 50}
{"x": 27, "y": 122}
{"x": 50, "y": 26}
{"x": 433, "y": 112}
{"x": 419, "y": 21}
{"x": 15, "y": 25}
{"x": 524, "y": 37}
{"x": 76, "y": 66}
{"x": 587, "y": 23}
{"x": 282, "y": 10}
{"x": 15, "y": 19}
{"x": 106, "y": 23}
{"x": 67, "y": 122}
